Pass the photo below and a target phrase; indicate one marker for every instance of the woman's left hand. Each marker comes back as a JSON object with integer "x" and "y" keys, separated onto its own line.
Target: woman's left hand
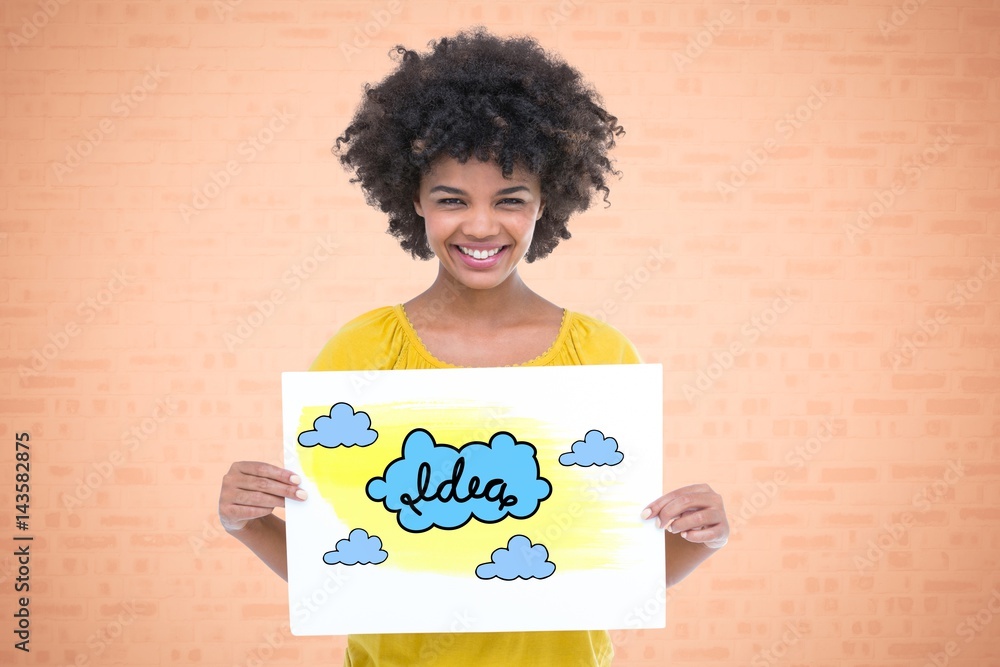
{"x": 694, "y": 512}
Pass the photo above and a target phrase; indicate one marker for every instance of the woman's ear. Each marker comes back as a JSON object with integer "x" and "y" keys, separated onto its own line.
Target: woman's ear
{"x": 416, "y": 205}
{"x": 541, "y": 210}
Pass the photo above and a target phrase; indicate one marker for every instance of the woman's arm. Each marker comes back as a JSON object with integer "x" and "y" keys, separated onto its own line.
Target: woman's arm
{"x": 683, "y": 557}
{"x": 696, "y": 527}
{"x": 250, "y": 492}
{"x": 266, "y": 538}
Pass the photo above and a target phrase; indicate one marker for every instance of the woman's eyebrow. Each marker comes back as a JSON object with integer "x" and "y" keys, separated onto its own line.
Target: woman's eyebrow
{"x": 458, "y": 191}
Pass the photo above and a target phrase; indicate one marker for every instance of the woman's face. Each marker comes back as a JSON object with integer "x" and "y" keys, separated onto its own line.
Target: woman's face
{"x": 479, "y": 224}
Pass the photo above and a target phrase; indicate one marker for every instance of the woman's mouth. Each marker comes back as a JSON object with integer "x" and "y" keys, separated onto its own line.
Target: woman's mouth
{"x": 480, "y": 257}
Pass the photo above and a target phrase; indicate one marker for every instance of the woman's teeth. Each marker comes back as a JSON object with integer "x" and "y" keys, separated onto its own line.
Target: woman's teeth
{"x": 480, "y": 254}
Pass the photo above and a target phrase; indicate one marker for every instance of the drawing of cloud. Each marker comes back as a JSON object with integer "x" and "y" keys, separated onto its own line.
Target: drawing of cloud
{"x": 357, "y": 549}
{"x": 343, "y": 427}
{"x": 438, "y": 485}
{"x": 520, "y": 559}
{"x": 593, "y": 450}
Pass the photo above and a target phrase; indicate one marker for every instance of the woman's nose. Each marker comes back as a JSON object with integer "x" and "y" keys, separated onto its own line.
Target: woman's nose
{"x": 482, "y": 223}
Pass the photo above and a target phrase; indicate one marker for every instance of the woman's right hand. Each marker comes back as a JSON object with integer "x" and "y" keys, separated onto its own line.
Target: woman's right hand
{"x": 252, "y": 489}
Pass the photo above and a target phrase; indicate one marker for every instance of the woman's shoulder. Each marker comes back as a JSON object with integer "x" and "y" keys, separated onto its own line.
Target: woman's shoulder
{"x": 371, "y": 341}
{"x": 592, "y": 341}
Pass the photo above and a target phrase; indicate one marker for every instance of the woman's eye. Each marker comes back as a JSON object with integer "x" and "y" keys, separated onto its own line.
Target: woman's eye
{"x": 449, "y": 201}
{"x": 511, "y": 202}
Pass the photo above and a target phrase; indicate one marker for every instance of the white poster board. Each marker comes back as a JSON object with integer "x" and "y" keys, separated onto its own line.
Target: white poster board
{"x": 474, "y": 499}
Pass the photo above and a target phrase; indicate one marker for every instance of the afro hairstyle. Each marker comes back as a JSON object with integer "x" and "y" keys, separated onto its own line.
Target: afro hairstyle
{"x": 483, "y": 96}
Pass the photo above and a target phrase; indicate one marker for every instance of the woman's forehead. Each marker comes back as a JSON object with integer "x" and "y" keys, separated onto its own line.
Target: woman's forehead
{"x": 450, "y": 168}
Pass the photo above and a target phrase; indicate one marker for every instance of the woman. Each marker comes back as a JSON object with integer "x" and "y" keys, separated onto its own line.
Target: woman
{"x": 479, "y": 151}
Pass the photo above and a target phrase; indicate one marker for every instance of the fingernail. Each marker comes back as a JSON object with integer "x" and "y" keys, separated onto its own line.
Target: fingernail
{"x": 684, "y": 534}
{"x": 301, "y": 494}
{"x": 646, "y": 513}
{"x": 659, "y": 524}
{"x": 670, "y": 527}
{"x": 295, "y": 479}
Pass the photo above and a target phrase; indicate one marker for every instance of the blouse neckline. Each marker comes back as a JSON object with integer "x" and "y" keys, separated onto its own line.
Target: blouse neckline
{"x": 418, "y": 345}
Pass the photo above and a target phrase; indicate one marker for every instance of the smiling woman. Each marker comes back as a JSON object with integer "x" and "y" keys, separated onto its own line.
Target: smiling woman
{"x": 479, "y": 152}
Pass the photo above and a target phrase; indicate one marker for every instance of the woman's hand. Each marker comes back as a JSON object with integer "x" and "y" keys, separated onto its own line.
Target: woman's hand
{"x": 694, "y": 512}
{"x": 251, "y": 490}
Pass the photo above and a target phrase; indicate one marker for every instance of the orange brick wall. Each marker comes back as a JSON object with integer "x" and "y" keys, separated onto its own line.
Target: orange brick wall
{"x": 806, "y": 236}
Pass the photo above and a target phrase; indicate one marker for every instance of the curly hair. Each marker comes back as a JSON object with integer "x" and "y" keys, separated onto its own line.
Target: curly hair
{"x": 476, "y": 94}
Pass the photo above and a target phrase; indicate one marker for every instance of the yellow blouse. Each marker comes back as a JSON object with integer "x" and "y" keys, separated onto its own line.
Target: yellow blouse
{"x": 384, "y": 339}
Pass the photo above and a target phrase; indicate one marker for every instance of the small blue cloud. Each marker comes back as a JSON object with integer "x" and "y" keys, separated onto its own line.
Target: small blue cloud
{"x": 520, "y": 560}
{"x": 593, "y": 450}
{"x": 357, "y": 549}
{"x": 343, "y": 427}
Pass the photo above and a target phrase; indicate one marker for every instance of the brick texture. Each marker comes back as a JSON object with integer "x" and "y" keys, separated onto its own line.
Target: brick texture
{"x": 174, "y": 233}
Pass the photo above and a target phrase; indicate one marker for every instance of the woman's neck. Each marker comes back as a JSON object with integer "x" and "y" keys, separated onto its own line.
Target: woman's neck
{"x": 449, "y": 301}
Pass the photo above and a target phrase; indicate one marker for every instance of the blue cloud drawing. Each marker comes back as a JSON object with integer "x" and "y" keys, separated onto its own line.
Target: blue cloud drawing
{"x": 357, "y": 549}
{"x": 593, "y": 450}
{"x": 438, "y": 485}
{"x": 343, "y": 427}
{"x": 520, "y": 560}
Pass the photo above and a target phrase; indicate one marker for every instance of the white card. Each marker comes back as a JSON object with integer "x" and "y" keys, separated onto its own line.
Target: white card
{"x": 474, "y": 499}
